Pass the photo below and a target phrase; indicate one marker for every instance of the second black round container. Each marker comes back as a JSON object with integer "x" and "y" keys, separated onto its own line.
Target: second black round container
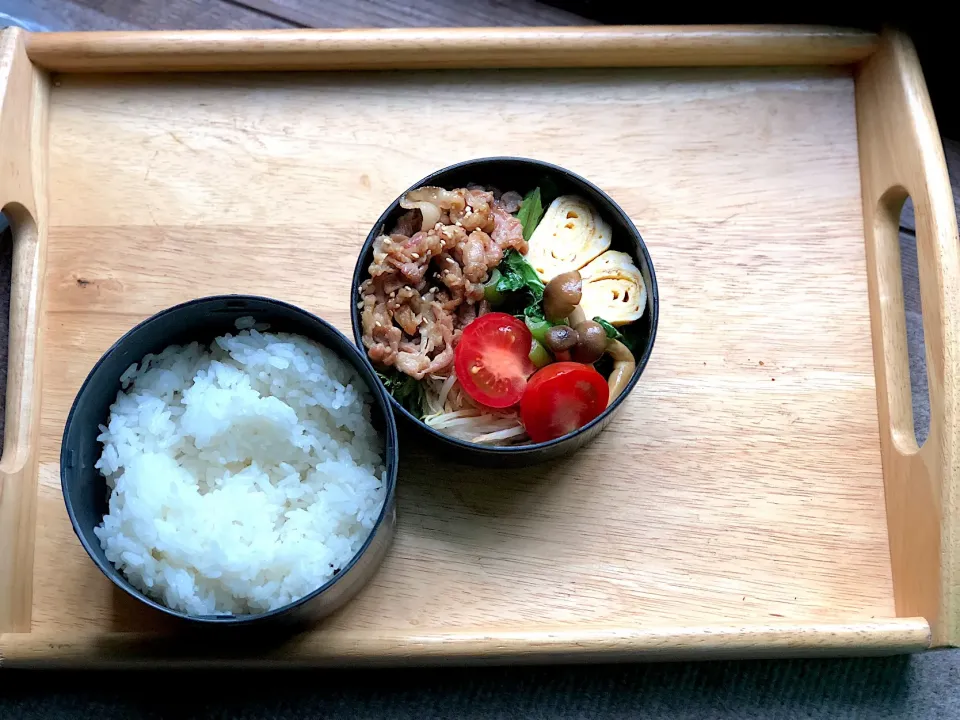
{"x": 522, "y": 175}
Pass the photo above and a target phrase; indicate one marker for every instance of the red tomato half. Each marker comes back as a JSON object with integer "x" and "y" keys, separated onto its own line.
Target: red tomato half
{"x": 560, "y": 398}
{"x": 493, "y": 359}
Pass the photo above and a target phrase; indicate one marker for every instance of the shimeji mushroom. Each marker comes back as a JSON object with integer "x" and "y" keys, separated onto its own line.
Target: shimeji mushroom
{"x": 562, "y": 295}
{"x": 561, "y": 341}
{"x": 582, "y": 340}
{"x": 591, "y": 342}
{"x": 623, "y": 366}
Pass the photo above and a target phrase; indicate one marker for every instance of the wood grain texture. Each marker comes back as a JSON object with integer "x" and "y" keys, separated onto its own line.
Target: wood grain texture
{"x": 59, "y": 15}
{"x": 742, "y": 483}
{"x": 951, "y": 153}
{"x": 415, "y": 13}
{"x": 450, "y": 48}
{"x": 23, "y": 125}
{"x": 183, "y": 14}
{"x": 493, "y": 646}
{"x": 900, "y": 154}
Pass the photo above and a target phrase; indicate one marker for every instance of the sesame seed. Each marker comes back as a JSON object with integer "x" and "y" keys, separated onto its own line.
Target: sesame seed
{"x": 387, "y": 241}
{"x": 415, "y": 256}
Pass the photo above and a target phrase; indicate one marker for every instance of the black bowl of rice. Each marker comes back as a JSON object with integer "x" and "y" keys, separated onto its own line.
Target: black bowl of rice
{"x": 423, "y": 281}
{"x": 233, "y": 460}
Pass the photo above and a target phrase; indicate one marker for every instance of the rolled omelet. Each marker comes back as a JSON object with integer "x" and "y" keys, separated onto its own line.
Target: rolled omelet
{"x": 570, "y": 235}
{"x": 613, "y": 289}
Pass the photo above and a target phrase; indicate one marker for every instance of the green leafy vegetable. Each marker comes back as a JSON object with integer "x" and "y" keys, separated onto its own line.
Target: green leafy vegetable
{"x": 516, "y": 274}
{"x": 530, "y": 212}
{"x": 407, "y": 391}
{"x": 533, "y": 313}
{"x": 611, "y": 331}
{"x": 614, "y": 334}
{"x": 508, "y": 281}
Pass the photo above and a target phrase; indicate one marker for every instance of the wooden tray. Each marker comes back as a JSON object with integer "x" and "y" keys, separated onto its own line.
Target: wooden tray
{"x": 736, "y": 507}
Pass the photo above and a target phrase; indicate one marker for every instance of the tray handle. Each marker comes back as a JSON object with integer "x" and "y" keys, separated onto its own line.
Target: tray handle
{"x": 900, "y": 155}
{"x": 23, "y": 101}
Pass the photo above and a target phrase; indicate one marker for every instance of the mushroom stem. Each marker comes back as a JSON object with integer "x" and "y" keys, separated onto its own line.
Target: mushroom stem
{"x": 623, "y": 367}
{"x": 576, "y": 317}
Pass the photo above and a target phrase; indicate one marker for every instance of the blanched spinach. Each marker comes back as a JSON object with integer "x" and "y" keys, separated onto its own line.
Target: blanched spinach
{"x": 407, "y": 390}
{"x": 516, "y": 274}
{"x": 614, "y": 334}
{"x": 530, "y": 212}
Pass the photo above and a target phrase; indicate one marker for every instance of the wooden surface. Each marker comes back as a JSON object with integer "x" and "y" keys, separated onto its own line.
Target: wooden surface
{"x": 492, "y": 646}
{"x": 901, "y": 154}
{"x": 438, "y": 48}
{"x": 413, "y": 13}
{"x": 909, "y": 271}
{"x": 261, "y": 14}
{"x": 23, "y": 125}
{"x": 742, "y": 483}
{"x": 951, "y": 153}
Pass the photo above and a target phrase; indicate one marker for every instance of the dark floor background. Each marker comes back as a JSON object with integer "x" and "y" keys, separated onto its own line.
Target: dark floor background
{"x": 901, "y": 687}
{"x": 923, "y": 686}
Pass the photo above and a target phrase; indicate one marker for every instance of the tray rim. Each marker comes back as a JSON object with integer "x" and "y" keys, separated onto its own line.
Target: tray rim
{"x": 443, "y": 48}
{"x": 926, "y": 566}
{"x": 583, "y": 644}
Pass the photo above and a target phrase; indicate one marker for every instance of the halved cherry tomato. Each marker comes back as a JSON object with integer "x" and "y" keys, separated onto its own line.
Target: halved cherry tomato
{"x": 493, "y": 359}
{"x": 560, "y": 398}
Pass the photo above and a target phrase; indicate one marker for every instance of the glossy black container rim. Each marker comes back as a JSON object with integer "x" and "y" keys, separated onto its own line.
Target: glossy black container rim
{"x": 360, "y": 272}
{"x": 391, "y": 461}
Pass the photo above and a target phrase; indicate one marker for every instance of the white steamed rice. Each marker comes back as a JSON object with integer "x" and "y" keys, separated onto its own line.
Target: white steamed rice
{"x": 243, "y": 475}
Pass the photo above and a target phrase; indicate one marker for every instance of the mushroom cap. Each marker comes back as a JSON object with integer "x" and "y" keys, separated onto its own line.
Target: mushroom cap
{"x": 561, "y": 338}
{"x": 562, "y": 295}
{"x": 592, "y": 342}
